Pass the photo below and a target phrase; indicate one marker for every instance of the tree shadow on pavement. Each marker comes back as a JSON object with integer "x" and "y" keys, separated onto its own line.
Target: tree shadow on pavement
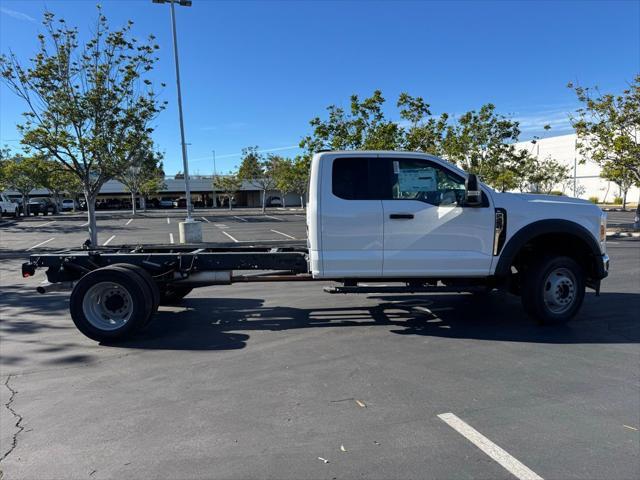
{"x": 213, "y": 324}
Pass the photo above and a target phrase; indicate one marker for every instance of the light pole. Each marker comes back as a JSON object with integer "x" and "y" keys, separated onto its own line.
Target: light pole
{"x": 185, "y": 163}
{"x": 215, "y": 174}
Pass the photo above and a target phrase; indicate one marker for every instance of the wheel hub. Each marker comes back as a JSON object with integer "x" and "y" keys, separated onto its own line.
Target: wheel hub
{"x": 107, "y": 305}
{"x": 560, "y": 290}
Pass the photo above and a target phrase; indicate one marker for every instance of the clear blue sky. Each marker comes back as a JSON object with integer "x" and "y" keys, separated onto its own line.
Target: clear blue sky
{"x": 255, "y": 73}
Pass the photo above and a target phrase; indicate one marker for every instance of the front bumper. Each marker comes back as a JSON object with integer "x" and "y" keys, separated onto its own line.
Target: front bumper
{"x": 605, "y": 265}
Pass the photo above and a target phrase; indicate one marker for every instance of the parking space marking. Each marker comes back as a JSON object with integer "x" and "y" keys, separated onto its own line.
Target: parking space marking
{"x": 511, "y": 464}
{"x": 84, "y": 224}
{"x": 275, "y": 218}
{"x": 171, "y": 238}
{"x": 109, "y": 240}
{"x": 298, "y": 215}
{"x": 130, "y": 220}
{"x": 241, "y": 219}
{"x": 284, "y": 234}
{"x": 40, "y": 244}
{"x": 230, "y": 237}
{"x": 41, "y": 224}
{"x": 220, "y": 225}
{"x": 204, "y": 218}
{"x": 168, "y": 221}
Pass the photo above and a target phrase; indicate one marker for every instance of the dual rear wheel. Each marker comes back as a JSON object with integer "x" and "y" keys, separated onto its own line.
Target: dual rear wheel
{"x": 112, "y": 303}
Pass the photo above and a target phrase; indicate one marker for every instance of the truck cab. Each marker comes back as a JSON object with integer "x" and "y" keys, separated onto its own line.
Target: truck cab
{"x": 407, "y": 216}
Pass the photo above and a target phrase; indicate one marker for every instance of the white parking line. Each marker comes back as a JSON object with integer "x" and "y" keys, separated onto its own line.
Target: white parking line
{"x": 220, "y": 225}
{"x": 298, "y": 215}
{"x": 204, "y": 218}
{"x": 240, "y": 218}
{"x": 171, "y": 238}
{"x": 230, "y": 237}
{"x": 275, "y": 218}
{"x": 168, "y": 221}
{"x": 288, "y": 236}
{"x": 510, "y": 463}
{"x": 130, "y": 220}
{"x": 40, "y": 224}
{"x": 109, "y": 240}
{"x": 40, "y": 244}
{"x": 84, "y": 224}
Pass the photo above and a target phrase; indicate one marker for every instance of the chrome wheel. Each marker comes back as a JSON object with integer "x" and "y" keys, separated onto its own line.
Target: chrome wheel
{"x": 560, "y": 290}
{"x": 107, "y": 305}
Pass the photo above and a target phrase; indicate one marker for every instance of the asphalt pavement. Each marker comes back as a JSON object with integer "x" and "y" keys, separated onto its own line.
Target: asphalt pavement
{"x": 285, "y": 381}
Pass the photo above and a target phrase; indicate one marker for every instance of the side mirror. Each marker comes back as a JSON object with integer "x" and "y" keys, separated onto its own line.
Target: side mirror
{"x": 472, "y": 193}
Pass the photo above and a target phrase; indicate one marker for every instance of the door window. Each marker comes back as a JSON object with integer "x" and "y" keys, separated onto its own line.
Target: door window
{"x": 426, "y": 182}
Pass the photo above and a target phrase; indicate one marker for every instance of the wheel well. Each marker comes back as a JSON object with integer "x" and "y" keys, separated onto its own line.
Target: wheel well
{"x": 560, "y": 244}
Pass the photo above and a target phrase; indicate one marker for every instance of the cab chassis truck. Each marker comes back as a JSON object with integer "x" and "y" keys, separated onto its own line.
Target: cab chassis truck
{"x": 377, "y": 222}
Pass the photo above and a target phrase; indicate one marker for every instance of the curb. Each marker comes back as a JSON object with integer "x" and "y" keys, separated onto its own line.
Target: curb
{"x": 623, "y": 234}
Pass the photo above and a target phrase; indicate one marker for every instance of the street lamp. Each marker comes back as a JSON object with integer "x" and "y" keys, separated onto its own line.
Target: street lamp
{"x": 190, "y": 230}
{"x": 185, "y": 163}
{"x": 214, "y": 179}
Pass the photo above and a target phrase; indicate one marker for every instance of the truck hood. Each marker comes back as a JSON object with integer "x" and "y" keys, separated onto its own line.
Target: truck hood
{"x": 543, "y": 199}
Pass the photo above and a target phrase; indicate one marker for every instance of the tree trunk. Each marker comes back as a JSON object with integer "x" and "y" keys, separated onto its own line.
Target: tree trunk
{"x": 636, "y": 223}
{"x": 25, "y": 205}
{"x": 301, "y": 202}
{"x": 264, "y": 200}
{"x": 624, "y": 200}
{"x": 284, "y": 205}
{"x": 133, "y": 203}
{"x": 230, "y": 203}
{"x": 143, "y": 203}
{"x": 91, "y": 217}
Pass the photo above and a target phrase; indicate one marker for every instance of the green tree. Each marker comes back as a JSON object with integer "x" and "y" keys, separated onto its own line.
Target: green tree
{"x": 259, "y": 171}
{"x": 363, "y": 128}
{"x": 152, "y": 182}
{"x": 283, "y": 176}
{"x": 142, "y": 172}
{"x": 423, "y": 133}
{"x": 57, "y": 178}
{"x": 89, "y": 106}
{"x": 23, "y": 175}
{"x": 546, "y": 174}
{"x": 227, "y": 186}
{"x": 621, "y": 176}
{"x": 608, "y": 129}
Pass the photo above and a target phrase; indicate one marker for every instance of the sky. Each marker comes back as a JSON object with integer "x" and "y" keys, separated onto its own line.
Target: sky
{"x": 256, "y": 72}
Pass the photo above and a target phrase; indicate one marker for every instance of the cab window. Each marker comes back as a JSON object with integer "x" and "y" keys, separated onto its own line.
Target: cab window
{"x": 425, "y": 181}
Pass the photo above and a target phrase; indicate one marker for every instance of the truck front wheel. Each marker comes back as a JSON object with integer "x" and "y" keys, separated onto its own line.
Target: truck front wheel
{"x": 553, "y": 289}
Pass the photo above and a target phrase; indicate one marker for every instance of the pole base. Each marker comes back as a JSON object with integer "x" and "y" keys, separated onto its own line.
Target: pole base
{"x": 190, "y": 232}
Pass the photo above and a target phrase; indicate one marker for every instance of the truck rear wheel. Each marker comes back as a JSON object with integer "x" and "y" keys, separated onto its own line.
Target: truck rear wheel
{"x": 553, "y": 289}
{"x": 154, "y": 291}
{"x": 110, "y": 303}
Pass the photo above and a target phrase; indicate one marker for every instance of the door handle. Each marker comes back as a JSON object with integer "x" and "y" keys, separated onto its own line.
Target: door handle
{"x": 401, "y": 216}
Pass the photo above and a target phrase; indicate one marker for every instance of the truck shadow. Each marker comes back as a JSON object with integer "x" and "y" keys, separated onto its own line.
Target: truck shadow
{"x": 224, "y": 324}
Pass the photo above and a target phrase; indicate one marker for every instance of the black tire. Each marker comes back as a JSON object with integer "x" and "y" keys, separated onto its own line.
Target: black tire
{"x": 126, "y": 291}
{"x": 553, "y": 289}
{"x": 171, "y": 294}
{"x": 154, "y": 290}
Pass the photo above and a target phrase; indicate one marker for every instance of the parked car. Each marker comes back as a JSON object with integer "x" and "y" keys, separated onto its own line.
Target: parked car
{"x": 42, "y": 206}
{"x": 274, "y": 202}
{"x": 165, "y": 202}
{"x": 8, "y": 207}
{"x": 68, "y": 204}
{"x": 180, "y": 203}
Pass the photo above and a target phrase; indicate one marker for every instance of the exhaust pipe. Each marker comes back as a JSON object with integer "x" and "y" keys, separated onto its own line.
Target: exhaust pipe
{"x": 48, "y": 287}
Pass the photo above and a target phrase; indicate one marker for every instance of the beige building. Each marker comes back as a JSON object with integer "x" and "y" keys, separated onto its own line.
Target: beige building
{"x": 584, "y": 180}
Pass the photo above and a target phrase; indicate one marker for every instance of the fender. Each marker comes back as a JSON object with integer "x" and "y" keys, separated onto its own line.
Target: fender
{"x": 542, "y": 227}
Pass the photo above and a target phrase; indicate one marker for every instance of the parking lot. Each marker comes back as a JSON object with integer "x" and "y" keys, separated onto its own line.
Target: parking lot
{"x": 284, "y": 381}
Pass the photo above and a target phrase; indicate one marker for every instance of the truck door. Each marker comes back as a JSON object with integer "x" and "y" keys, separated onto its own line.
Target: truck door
{"x": 427, "y": 231}
{"x": 351, "y": 213}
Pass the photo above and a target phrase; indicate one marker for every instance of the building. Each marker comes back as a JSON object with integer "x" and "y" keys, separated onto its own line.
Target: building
{"x": 202, "y": 193}
{"x": 584, "y": 180}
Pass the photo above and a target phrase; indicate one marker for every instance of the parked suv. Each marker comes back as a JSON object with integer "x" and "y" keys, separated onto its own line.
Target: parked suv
{"x": 68, "y": 204}
{"x": 43, "y": 206}
{"x": 7, "y": 206}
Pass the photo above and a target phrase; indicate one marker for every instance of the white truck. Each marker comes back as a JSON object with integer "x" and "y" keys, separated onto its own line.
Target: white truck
{"x": 377, "y": 222}
{"x": 8, "y": 206}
